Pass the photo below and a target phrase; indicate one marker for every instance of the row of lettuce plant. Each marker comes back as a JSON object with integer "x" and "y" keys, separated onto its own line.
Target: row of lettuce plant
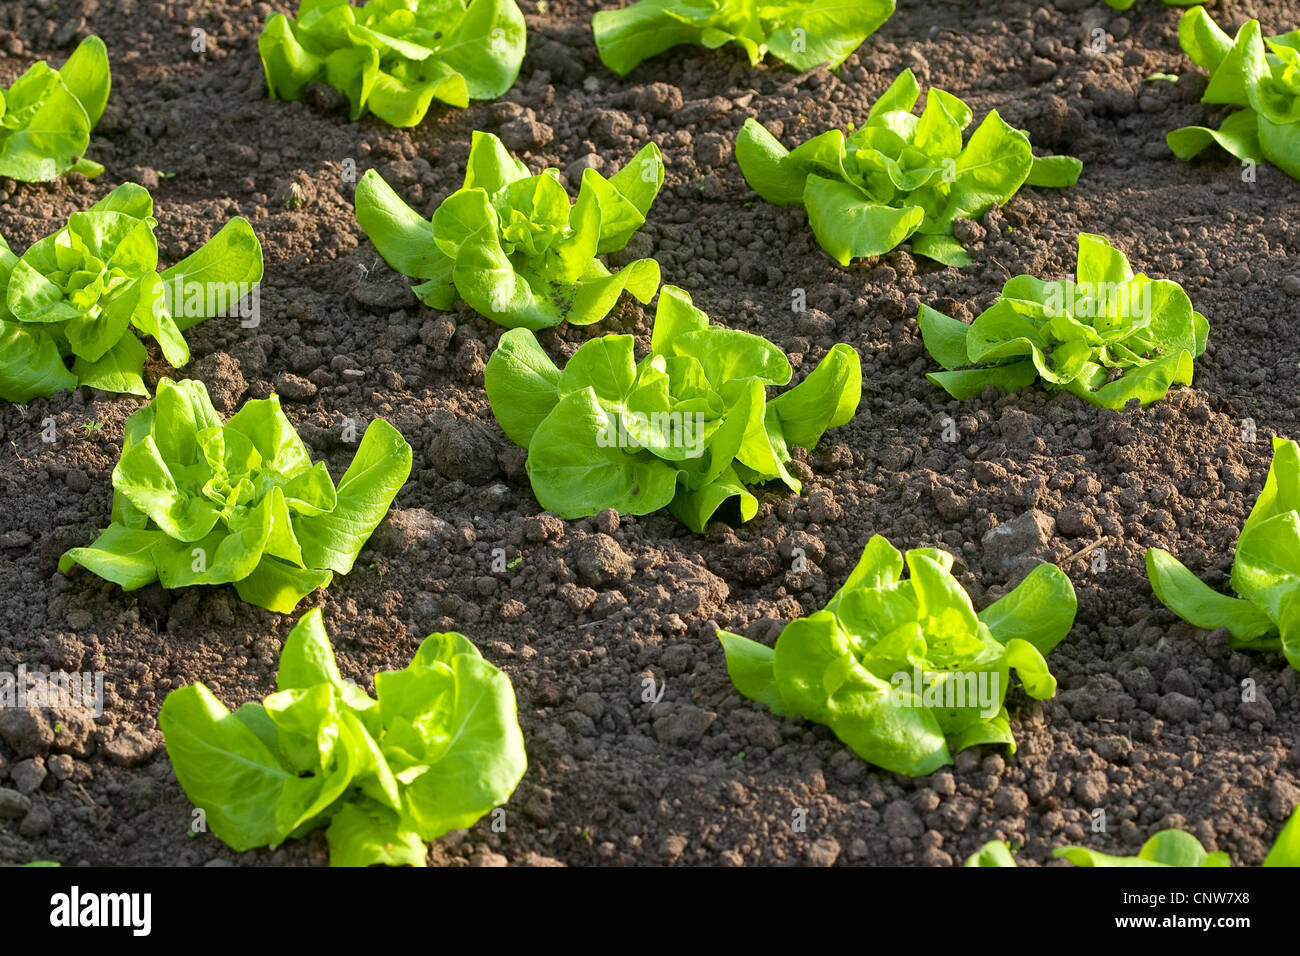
{"x": 895, "y": 177}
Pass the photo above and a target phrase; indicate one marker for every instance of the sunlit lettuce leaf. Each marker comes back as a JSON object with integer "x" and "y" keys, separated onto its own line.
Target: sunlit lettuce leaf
{"x": 1265, "y": 573}
{"x": 900, "y": 176}
{"x": 686, "y": 427}
{"x": 511, "y": 246}
{"x": 394, "y": 58}
{"x": 76, "y": 303}
{"x": 47, "y": 115}
{"x": 198, "y": 502}
{"x": 436, "y": 749}
{"x": 1260, "y": 76}
{"x": 902, "y": 669}
{"x": 803, "y": 33}
{"x": 1108, "y": 336}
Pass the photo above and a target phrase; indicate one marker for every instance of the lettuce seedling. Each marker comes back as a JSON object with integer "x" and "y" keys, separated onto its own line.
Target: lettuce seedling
{"x": 903, "y": 671}
{"x": 436, "y": 748}
{"x": 899, "y": 176}
{"x": 395, "y": 57}
{"x": 47, "y": 115}
{"x": 1261, "y": 75}
{"x": 685, "y": 428}
{"x": 1108, "y": 337}
{"x": 511, "y": 246}
{"x": 803, "y": 33}
{"x": 199, "y": 502}
{"x": 1265, "y": 571}
{"x": 1166, "y": 848}
{"x": 69, "y": 304}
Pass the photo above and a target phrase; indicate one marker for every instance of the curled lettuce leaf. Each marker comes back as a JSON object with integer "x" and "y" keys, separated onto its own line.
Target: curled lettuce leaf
{"x": 802, "y": 33}
{"x": 47, "y": 115}
{"x": 76, "y": 303}
{"x": 1265, "y": 573}
{"x": 393, "y": 58}
{"x": 902, "y": 669}
{"x": 436, "y": 748}
{"x": 686, "y": 427}
{"x": 899, "y": 176}
{"x": 1259, "y": 75}
{"x": 511, "y": 245}
{"x": 1108, "y": 337}
{"x": 199, "y": 502}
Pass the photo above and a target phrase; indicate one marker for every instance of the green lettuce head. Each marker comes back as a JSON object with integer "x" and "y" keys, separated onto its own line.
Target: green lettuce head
{"x": 511, "y": 246}
{"x": 685, "y": 428}
{"x": 899, "y": 176}
{"x": 199, "y": 502}
{"x": 76, "y": 303}
{"x": 904, "y": 670}
{"x": 1261, "y": 76}
{"x": 805, "y": 34}
{"x": 393, "y": 58}
{"x": 436, "y": 748}
{"x": 1108, "y": 337}
{"x": 47, "y": 115}
{"x": 1265, "y": 572}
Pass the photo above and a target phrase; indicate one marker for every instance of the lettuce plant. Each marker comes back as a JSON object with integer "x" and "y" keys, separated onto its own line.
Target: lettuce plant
{"x": 72, "y": 305}
{"x": 899, "y": 176}
{"x": 510, "y": 244}
{"x": 1265, "y": 571}
{"x": 1261, "y": 76}
{"x": 1166, "y": 848}
{"x": 1108, "y": 337}
{"x": 686, "y": 427}
{"x": 904, "y": 670}
{"x": 395, "y": 57}
{"x": 803, "y": 33}
{"x": 199, "y": 502}
{"x": 437, "y": 749}
{"x": 47, "y": 115}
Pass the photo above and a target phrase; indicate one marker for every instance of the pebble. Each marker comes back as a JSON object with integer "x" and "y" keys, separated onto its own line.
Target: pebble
{"x": 685, "y": 726}
{"x": 28, "y": 775}
{"x": 13, "y": 805}
{"x": 823, "y": 851}
{"x": 293, "y": 388}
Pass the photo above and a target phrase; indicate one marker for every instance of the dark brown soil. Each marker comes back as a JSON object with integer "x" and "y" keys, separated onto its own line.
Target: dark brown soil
{"x": 1149, "y": 726}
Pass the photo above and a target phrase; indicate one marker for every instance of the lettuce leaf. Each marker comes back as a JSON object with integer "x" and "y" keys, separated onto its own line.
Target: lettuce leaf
{"x": 686, "y": 427}
{"x": 84, "y": 296}
{"x": 1109, "y": 336}
{"x": 511, "y": 246}
{"x": 47, "y": 115}
{"x": 1265, "y": 573}
{"x": 1258, "y": 75}
{"x": 802, "y": 33}
{"x": 393, "y": 58}
{"x": 899, "y": 176}
{"x": 902, "y": 669}
{"x": 198, "y": 502}
{"x": 437, "y": 748}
